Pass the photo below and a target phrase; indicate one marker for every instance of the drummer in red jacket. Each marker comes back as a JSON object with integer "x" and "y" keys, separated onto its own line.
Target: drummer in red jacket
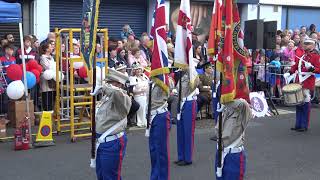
{"x": 309, "y": 64}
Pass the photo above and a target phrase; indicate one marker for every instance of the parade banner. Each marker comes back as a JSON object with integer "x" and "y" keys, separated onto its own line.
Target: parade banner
{"x": 240, "y": 57}
{"x": 90, "y": 13}
{"x": 215, "y": 29}
{"x": 226, "y": 62}
{"x": 159, "y": 66}
{"x": 183, "y": 50}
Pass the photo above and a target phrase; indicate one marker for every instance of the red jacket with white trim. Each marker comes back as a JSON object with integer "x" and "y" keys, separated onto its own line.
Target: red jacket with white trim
{"x": 314, "y": 58}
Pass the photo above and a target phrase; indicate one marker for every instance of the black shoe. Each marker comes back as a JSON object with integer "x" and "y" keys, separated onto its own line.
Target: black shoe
{"x": 174, "y": 121}
{"x": 178, "y": 162}
{"x": 183, "y": 163}
{"x": 302, "y": 130}
{"x": 214, "y": 138}
{"x": 294, "y": 129}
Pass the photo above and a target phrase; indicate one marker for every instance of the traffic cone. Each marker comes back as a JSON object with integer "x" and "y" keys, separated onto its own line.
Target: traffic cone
{"x": 44, "y": 136}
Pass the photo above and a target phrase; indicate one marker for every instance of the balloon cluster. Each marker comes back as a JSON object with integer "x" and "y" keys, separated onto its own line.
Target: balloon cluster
{"x": 83, "y": 72}
{"x": 16, "y": 88}
{"x": 51, "y": 73}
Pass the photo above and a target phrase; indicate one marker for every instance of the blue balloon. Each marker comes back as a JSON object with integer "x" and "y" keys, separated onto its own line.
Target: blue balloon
{"x": 31, "y": 80}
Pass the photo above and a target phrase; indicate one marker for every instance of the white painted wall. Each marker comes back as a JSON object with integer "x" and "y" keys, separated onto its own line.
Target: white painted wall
{"x": 267, "y": 14}
{"x": 41, "y": 24}
{"x": 310, "y": 3}
{"x": 250, "y": 12}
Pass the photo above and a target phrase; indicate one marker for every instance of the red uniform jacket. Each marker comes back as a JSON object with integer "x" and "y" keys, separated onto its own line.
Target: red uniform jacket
{"x": 314, "y": 59}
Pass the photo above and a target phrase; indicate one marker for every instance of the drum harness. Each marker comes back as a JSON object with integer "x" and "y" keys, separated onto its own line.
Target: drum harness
{"x": 302, "y": 75}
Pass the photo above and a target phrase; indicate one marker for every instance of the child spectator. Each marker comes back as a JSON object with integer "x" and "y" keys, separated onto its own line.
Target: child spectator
{"x": 3, "y": 43}
{"x": 29, "y": 53}
{"x": 8, "y": 58}
{"x": 275, "y": 78}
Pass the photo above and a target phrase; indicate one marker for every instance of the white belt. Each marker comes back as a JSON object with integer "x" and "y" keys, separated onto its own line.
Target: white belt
{"x": 110, "y": 138}
{"x": 189, "y": 98}
{"x": 160, "y": 110}
{"x": 106, "y": 138}
{"x": 233, "y": 150}
{"x": 225, "y": 152}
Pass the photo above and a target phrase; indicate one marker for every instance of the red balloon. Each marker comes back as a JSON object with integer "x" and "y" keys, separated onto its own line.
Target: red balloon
{"x": 14, "y": 72}
{"x": 83, "y": 72}
{"x": 37, "y": 74}
{"x": 39, "y": 68}
{"x": 32, "y": 64}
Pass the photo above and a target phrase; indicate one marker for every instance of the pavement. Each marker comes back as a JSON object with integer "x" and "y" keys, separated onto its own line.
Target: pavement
{"x": 274, "y": 152}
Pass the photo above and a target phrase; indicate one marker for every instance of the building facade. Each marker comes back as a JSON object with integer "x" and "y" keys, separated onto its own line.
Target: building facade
{"x": 42, "y": 16}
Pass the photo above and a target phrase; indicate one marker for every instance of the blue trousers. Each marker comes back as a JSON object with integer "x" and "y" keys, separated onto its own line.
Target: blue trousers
{"x": 185, "y": 131}
{"x": 109, "y": 159}
{"x": 303, "y": 115}
{"x": 159, "y": 147}
{"x": 234, "y": 166}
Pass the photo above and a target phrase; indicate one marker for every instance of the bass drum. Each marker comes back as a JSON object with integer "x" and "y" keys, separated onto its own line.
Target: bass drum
{"x": 293, "y": 94}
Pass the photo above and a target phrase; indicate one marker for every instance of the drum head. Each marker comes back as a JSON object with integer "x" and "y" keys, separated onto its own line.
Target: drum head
{"x": 291, "y": 87}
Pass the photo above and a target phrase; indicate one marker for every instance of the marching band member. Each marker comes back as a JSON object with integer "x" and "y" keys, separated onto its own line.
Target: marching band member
{"x": 235, "y": 118}
{"x": 306, "y": 65}
{"x": 111, "y": 121}
{"x": 159, "y": 134}
{"x": 186, "y": 119}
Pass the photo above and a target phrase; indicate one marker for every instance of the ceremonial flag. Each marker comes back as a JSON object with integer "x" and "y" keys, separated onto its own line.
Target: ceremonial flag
{"x": 226, "y": 62}
{"x": 240, "y": 56}
{"x": 183, "y": 50}
{"x": 215, "y": 28}
{"x": 90, "y": 13}
{"x": 159, "y": 66}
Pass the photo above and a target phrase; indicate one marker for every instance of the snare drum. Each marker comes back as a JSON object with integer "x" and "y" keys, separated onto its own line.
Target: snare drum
{"x": 293, "y": 94}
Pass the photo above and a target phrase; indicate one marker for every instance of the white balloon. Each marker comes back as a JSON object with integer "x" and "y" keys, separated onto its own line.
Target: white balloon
{"x": 86, "y": 79}
{"x": 61, "y": 76}
{"x": 77, "y": 65}
{"x": 48, "y": 74}
{"x": 15, "y": 90}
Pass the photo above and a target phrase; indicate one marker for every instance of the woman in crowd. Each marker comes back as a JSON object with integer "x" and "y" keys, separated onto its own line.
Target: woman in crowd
{"x": 47, "y": 87}
{"x": 289, "y": 53}
{"x": 139, "y": 81}
{"x": 198, "y": 54}
{"x": 122, "y": 56}
{"x": 136, "y": 56}
{"x": 170, "y": 47}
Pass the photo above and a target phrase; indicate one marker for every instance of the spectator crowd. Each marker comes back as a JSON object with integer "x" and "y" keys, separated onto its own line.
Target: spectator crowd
{"x": 132, "y": 55}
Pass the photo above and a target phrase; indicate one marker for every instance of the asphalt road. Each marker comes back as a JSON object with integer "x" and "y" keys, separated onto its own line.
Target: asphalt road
{"x": 273, "y": 153}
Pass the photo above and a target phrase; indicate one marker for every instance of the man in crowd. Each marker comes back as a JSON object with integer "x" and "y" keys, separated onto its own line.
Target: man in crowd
{"x": 145, "y": 51}
{"x": 10, "y": 39}
{"x": 51, "y": 37}
{"x": 206, "y": 80}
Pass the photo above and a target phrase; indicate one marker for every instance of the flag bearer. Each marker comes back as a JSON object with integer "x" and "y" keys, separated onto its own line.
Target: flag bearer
{"x": 111, "y": 121}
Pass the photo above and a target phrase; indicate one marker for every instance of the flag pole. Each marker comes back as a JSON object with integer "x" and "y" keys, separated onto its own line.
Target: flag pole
{"x": 93, "y": 116}
{"x": 149, "y": 109}
{"x": 220, "y": 146}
